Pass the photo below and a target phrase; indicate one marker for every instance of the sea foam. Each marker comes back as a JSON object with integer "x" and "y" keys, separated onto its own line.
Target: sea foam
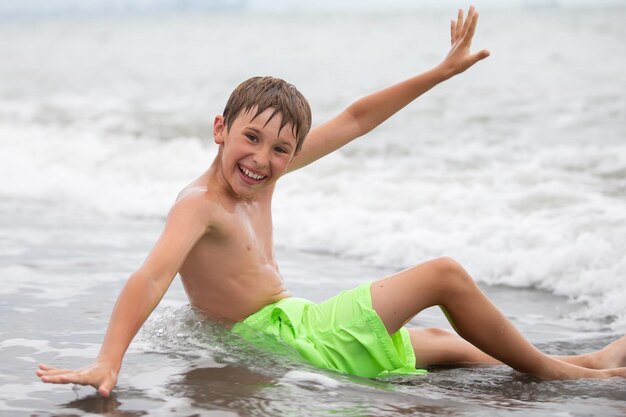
{"x": 516, "y": 168}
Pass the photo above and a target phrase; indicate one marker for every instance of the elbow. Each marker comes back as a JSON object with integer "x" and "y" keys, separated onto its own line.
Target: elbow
{"x": 357, "y": 119}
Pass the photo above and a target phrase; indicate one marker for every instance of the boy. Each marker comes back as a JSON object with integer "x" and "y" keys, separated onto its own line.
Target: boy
{"x": 218, "y": 237}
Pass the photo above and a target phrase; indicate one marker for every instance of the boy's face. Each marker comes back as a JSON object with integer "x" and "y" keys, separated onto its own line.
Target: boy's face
{"x": 255, "y": 152}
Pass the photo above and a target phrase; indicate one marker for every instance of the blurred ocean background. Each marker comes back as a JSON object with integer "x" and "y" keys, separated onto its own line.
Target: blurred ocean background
{"x": 516, "y": 168}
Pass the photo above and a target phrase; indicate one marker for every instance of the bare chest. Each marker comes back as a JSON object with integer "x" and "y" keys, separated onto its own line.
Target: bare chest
{"x": 232, "y": 274}
{"x": 241, "y": 246}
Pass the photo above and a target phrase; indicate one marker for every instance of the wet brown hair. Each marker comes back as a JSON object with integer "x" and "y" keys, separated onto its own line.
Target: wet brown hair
{"x": 269, "y": 92}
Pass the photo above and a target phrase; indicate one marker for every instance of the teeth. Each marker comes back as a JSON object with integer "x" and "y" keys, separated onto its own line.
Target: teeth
{"x": 251, "y": 174}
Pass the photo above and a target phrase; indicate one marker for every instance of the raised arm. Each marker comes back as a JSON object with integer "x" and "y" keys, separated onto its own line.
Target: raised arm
{"x": 186, "y": 223}
{"x": 370, "y": 111}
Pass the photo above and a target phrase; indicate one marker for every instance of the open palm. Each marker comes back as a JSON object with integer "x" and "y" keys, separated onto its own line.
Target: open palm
{"x": 461, "y": 33}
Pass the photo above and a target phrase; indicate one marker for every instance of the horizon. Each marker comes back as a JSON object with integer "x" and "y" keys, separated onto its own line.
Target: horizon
{"x": 91, "y": 8}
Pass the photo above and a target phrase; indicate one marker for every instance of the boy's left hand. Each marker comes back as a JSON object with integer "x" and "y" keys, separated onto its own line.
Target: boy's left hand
{"x": 461, "y": 33}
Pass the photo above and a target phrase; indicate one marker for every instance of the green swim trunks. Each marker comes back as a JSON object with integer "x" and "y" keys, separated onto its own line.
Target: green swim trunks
{"x": 343, "y": 333}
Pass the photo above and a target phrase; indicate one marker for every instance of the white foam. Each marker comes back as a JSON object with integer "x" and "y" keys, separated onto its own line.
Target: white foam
{"x": 38, "y": 344}
{"x": 311, "y": 377}
{"x": 521, "y": 224}
{"x": 132, "y": 177}
{"x": 519, "y": 174}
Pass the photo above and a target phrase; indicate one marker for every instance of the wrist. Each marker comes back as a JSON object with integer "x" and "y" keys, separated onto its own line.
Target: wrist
{"x": 109, "y": 362}
{"x": 445, "y": 71}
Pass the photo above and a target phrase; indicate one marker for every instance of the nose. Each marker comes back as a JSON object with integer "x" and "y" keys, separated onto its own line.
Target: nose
{"x": 261, "y": 157}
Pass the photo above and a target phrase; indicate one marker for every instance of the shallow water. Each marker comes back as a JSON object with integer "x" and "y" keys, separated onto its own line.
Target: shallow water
{"x": 517, "y": 169}
{"x": 59, "y": 287}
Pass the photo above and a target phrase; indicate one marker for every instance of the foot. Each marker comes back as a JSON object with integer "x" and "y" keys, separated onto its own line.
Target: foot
{"x": 565, "y": 370}
{"x": 613, "y": 355}
{"x": 621, "y": 372}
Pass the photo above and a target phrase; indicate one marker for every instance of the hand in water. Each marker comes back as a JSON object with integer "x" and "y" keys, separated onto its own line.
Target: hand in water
{"x": 99, "y": 375}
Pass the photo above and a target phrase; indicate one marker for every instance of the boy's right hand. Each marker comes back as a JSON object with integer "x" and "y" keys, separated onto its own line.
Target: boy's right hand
{"x": 99, "y": 375}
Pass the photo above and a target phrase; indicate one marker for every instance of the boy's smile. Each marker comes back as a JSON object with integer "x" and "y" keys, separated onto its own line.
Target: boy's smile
{"x": 250, "y": 176}
{"x": 255, "y": 151}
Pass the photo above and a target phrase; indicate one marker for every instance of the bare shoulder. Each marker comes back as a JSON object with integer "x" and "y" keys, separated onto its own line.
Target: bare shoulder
{"x": 198, "y": 204}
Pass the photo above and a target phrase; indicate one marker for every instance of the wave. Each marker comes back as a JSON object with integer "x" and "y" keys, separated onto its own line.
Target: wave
{"x": 519, "y": 224}
{"x": 516, "y": 169}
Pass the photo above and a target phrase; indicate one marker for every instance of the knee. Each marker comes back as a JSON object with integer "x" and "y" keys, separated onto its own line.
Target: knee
{"x": 451, "y": 274}
{"x": 448, "y": 267}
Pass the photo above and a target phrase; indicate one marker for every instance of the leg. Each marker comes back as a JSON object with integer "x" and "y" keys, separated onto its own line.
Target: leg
{"x": 612, "y": 356}
{"x": 435, "y": 346}
{"x": 444, "y": 282}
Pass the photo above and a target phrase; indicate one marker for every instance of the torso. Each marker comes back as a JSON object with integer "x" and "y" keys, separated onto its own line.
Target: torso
{"x": 231, "y": 271}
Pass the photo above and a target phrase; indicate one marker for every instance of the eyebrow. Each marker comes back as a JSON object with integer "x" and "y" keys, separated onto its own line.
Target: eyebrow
{"x": 255, "y": 130}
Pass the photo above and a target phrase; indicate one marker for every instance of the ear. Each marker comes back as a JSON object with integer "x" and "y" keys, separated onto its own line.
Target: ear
{"x": 219, "y": 129}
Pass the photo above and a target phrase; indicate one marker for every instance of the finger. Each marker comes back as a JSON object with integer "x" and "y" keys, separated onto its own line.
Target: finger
{"x": 479, "y": 56}
{"x": 105, "y": 392}
{"x": 472, "y": 27}
{"x": 459, "y": 24}
{"x": 49, "y": 370}
{"x": 452, "y": 32}
{"x": 106, "y": 387}
{"x": 61, "y": 376}
{"x": 41, "y": 369}
{"x": 56, "y": 379}
{"x": 45, "y": 367}
{"x": 53, "y": 372}
{"x": 470, "y": 17}
{"x": 65, "y": 378}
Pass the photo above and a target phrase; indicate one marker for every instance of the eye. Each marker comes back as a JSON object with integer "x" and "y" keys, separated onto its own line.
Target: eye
{"x": 280, "y": 149}
{"x": 251, "y": 137}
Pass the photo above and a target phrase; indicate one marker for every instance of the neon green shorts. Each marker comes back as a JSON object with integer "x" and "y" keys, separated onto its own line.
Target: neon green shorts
{"x": 343, "y": 333}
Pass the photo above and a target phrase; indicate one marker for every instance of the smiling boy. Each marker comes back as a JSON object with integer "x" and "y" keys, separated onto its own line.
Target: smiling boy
{"x": 218, "y": 237}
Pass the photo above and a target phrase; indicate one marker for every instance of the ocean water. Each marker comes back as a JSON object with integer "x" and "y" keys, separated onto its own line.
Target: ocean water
{"x": 516, "y": 168}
